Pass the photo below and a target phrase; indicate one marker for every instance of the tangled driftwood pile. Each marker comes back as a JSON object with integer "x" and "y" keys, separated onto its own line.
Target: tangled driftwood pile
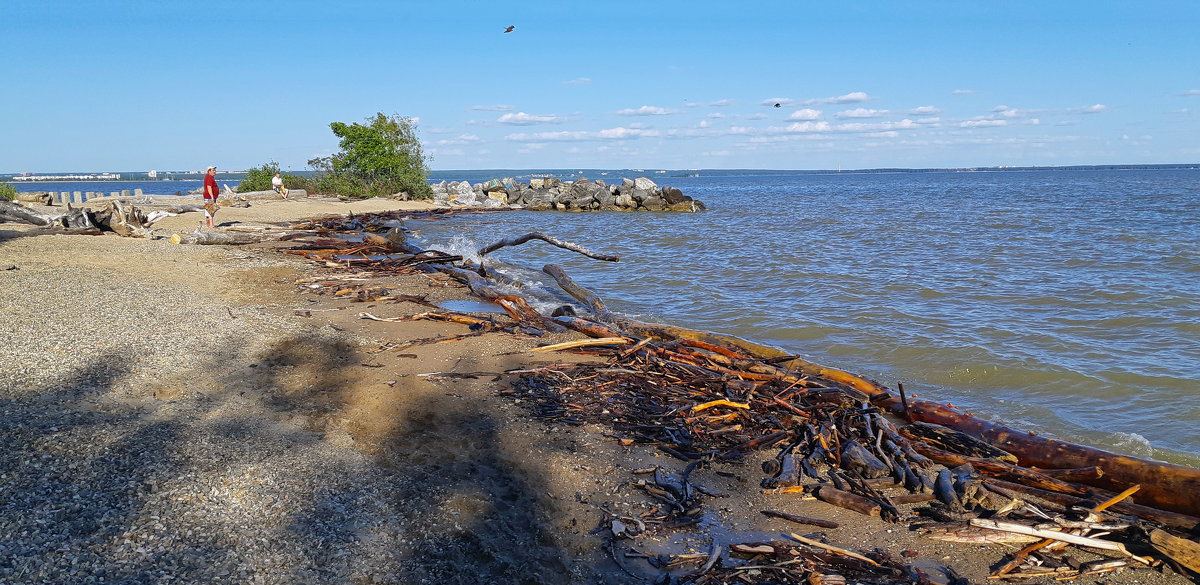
{"x": 119, "y": 217}
{"x": 835, "y": 436}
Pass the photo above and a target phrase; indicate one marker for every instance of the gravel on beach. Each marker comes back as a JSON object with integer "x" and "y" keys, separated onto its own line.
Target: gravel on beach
{"x": 139, "y": 449}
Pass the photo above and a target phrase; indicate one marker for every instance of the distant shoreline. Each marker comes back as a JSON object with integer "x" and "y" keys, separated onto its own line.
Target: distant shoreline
{"x": 230, "y": 175}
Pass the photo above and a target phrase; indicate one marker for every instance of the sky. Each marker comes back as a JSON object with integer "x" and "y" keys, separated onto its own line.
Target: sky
{"x": 92, "y": 85}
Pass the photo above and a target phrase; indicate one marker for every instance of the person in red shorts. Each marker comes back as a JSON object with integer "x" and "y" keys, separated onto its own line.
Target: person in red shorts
{"x": 210, "y": 195}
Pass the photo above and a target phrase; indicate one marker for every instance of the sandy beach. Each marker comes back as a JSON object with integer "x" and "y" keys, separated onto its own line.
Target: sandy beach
{"x": 209, "y": 414}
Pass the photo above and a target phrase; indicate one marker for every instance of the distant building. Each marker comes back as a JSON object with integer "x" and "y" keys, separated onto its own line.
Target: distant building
{"x": 152, "y": 174}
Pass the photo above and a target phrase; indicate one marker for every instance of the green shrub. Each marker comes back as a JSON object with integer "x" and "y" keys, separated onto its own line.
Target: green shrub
{"x": 381, "y": 158}
{"x": 259, "y": 179}
{"x": 7, "y": 191}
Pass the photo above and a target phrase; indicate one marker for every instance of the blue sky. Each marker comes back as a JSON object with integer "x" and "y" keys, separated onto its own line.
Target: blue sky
{"x": 124, "y": 85}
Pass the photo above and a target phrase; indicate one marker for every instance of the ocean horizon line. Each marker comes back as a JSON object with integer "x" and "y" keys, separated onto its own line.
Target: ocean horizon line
{"x": 139, "y": 175}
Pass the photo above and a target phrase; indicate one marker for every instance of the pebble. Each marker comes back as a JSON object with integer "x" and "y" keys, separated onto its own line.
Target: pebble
{"x": 101, "y": 481}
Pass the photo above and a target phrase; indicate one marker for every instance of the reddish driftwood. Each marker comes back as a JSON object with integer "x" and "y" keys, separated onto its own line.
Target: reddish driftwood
{"x": 847, "y": 500}
{"x": 1164, "y": 485}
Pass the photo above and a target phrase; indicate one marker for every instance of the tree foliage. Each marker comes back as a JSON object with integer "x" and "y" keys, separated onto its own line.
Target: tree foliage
{"x": 7, "y": 191}
{"x": 259, "y": 179}
{"x": 380, "y": 158}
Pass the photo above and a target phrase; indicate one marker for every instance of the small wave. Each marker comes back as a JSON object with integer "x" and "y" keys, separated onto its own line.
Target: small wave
{"x": 1133, "y": 444}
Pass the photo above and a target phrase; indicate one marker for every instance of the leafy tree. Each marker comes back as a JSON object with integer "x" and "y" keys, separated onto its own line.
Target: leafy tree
{"x": 382, "y": 157}
{"x": 259, "y": 179}
{"x": 7, "y": 191}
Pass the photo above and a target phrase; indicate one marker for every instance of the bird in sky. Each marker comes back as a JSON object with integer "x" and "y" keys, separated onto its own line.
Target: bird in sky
{"x": 778, "y": 105}
{"x": 509, "y": 29}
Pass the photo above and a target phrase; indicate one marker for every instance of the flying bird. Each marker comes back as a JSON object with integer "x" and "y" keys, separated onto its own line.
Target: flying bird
{"x": 509, "y": 29}
{"x": 778, "y": 105}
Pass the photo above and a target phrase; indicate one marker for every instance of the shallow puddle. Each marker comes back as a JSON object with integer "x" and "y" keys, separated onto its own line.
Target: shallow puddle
{"x": 471, "y": 307}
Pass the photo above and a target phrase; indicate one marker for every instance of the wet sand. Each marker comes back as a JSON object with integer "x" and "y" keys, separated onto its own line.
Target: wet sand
{"x": 216, "y": 414}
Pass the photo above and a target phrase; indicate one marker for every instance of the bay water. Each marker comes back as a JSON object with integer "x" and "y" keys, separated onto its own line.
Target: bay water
{"x": 1062, "y": 302}
{"x": 1065, "y": 302}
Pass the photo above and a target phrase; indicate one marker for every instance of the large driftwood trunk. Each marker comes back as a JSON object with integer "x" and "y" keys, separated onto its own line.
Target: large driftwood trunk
{"x": 263, "y": 195}
{"x": 219, "y": 238}
{"x": 1164, "y": 485}
{"x": 14, "y": 213}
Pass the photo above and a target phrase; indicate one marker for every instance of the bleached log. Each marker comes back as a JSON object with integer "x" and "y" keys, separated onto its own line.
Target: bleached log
{"x": 16, "y": 213}
{"x": 219, "y": 238}
{"x": 38, "y": 197}
{"x": 1052, "y": 534}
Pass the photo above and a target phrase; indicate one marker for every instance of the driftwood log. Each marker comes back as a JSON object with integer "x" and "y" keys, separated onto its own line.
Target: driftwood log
{"x": 118, "y": 216}
{"x": 39, "y": 197}
{"x": 11, "y": 212}
{"x": 555, "y": 241}
{"x": 1164, "y": 485}
{"x": 1181, "y": 550}
{"x": 220, "y": 238}
{"x": 586, "y": 296}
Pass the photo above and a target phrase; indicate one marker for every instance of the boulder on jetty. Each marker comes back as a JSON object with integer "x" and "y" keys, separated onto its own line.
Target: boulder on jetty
{"x": 546, "y": 193}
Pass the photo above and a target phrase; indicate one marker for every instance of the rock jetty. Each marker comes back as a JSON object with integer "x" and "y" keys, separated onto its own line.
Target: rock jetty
{"x": 549, "y": 193}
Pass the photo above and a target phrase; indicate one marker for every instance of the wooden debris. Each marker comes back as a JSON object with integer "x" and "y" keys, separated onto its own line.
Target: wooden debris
{"x": 218, "y": 238}
{"x": 1051, "y": 534}
{"x": 705, "y": 399}
{"x": 550, "y": 240}
{"x": 1181, "y": 550}
{"x": 831, "y": 548}
{"x": 800, "y": 519}
{"x": 583, "y": 343}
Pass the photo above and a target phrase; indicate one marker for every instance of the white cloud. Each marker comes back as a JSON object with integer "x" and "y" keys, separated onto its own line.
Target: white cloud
{"x": 721, "y": 103}
{"x": 781, "y": 101}
{"x": 494, "y": 108}
{"x": 461, "y": 139}
{"x": 578, "y": 81}
{"x": 1004, "y": 112}
{"x": 1191, "y": 92}
{"x": 716, "y": 115}
{"x": 523, "y": 119}
{"x": 963, "y": 92}
{"x": 861, "y": 113}
{"x": 618, "y": 133}
{"x": 704, "y": 123}
{"x": 924, "y": 111}
{"x": 853, "y": 97}
{"x": 1093, "y": 109}
{"x": 983, "y": 123}
{"x": 805, "y": 114}
{"x": 756, "y": 117}
{"x": 877, "y": 126}
{"x": 645, "y": 111}
{"x": 809, "y": 126}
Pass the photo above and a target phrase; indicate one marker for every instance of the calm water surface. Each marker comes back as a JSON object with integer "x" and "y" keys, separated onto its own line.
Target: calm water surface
{"x": 1066, "y": 302}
